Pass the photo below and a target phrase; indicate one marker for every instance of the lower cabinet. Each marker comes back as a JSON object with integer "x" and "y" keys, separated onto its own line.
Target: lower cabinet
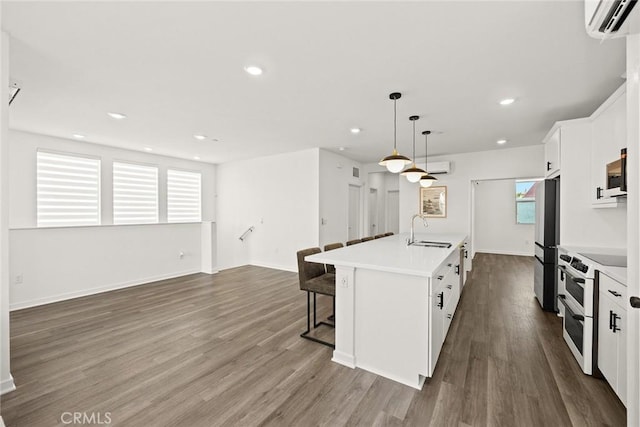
{"x": 444, "y": 301}
{"x": 612, "y": 335}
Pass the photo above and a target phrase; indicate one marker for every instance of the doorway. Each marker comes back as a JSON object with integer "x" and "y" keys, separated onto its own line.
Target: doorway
{"x": 393, "y": 211}
{"x": 373, "y": 211}
{"x": 354, "y": 212}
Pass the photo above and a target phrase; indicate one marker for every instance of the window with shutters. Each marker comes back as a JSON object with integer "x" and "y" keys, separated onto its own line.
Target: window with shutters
{"x": 135, "y": 193}
{"x": 183, "y": 196}
{"x": 68, "y": 190}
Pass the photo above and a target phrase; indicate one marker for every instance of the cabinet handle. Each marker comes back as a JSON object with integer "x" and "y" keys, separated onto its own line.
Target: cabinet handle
{"x": 440, "y": 277}
{"x": 466, "y": 253}
{"x": 614, "y": 293}
{"x": 441, "y": 298}
{"x": 449, "y": 316}
{"x": 449, "y": 286}
{"x": 598, "y": 193}
{"x": 458, "y": 269}
{"x": 615, "y": 323}
{"x": 611, "y": 319}
{"x": 548, "y": 166}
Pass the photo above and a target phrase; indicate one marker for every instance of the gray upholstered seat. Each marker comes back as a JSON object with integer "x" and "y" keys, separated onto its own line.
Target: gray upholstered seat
{"x": 314, "y": 279}
{"x": 331, "y": 246}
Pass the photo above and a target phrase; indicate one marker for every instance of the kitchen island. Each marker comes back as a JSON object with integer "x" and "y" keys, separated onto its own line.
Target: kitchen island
{"x": 394, "y": 303}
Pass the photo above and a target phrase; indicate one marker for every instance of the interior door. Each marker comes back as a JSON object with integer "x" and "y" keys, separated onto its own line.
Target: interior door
{"x": 354, "y": 212}
{"x": 373, "y": 211}
{"x": 393, "y": 211}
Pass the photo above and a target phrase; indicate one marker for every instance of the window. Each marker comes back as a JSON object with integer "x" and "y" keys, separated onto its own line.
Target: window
{"x": 183, "y": 196}
{"x": 135, "y": 194}
{"x": 68, "y": 190}
{"x": 525, "y": 202}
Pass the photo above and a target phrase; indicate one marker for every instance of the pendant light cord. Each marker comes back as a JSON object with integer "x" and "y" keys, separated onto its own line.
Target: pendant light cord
{"x": 395, "y": 121}
{"x": 414, "y": 142}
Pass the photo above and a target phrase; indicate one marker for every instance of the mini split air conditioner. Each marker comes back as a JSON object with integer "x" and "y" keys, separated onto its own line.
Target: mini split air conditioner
{"x": 438, "y": 168}
{"x": 605, "y": 19}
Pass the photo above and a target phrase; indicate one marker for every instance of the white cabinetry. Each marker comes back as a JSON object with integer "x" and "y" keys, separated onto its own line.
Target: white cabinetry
{"x": 612, "y": 335}
{"x": 609, "y": 136}
{"x": 552, "y": 154}
{"x": 444, "y": 300}
{"x": 468, "y": 260}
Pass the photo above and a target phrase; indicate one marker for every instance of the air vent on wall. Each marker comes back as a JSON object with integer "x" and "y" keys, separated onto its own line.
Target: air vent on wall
{"x": 356, "y": 172}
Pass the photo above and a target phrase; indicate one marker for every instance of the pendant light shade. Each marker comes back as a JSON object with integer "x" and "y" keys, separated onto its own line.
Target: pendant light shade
{"x": 426, "y": 180}
{"x": 414, "y": 173}
{"x": 396, "y": 161}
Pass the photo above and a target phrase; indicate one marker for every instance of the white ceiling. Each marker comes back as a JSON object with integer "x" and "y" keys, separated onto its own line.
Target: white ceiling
{"x": 176, "y": 68}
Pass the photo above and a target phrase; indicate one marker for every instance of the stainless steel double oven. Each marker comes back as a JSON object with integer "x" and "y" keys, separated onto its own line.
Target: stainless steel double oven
{"x": 577, "y": 298}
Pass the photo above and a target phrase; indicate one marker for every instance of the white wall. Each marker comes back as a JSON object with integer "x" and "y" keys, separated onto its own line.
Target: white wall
{"x": 496, "y": 230}
{"x": 279, "y": 196}
{"x": 6, "y": 382}
{"x": 336, "y": 174}
{"x": 580, "y": 223}
{"x": 523, "y": 162}
{"x": 60, "y": 263}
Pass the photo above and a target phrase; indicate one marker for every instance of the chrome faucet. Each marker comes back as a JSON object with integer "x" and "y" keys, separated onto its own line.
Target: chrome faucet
{"x": 411, "y": 239}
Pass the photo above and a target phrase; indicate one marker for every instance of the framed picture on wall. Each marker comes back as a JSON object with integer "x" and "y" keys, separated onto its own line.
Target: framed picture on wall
{"x": 433, "y": 201}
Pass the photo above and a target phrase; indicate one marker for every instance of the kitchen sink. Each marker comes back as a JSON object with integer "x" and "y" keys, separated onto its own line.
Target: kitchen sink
{"x": 430, "y": 244}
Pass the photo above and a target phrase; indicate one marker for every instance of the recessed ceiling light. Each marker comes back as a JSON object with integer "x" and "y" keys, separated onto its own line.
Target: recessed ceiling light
{"x": 507, "y": 101}
{"x": 148, "y": 149}
{"x": 355, "y": 130}
{"x": 117, "y": 116}
{"x": 78, "y": 136}
{"x": 196, "y": 157}
{"x": 501, "y": 141}
{"x": 253, "y": 70}
{"x": 200, "y": 137}
{"x": 341, "y": 148}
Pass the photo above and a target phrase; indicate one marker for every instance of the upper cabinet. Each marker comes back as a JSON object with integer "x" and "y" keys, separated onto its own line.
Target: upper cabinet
{"x": 609, "y": 129}
{"x": 552, "y": 154}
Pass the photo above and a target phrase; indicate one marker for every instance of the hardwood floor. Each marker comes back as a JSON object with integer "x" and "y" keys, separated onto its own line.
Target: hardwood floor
{"x": 225, "y": 350}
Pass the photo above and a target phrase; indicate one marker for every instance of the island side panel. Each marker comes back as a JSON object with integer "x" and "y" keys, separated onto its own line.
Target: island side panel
{"x": 391, "y": 325}
{"x": 344, "y": 352}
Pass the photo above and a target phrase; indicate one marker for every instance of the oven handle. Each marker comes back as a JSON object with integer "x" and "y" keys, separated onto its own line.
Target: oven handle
{"x": 579, "y": 317}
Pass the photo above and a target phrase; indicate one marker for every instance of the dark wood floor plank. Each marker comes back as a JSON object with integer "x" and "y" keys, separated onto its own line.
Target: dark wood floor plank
{"x": 225, "y": 349}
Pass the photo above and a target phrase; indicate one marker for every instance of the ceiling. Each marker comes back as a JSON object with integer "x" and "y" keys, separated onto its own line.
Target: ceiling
{"x": 176, "y": 69}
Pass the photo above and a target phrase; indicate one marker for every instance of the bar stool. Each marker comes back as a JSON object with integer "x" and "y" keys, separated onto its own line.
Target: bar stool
{"x": 314, "y": 279}
{"x": 379, "y": 236}
{"x": 366, "y": 239}
{"x": 354, "y": 242}
{"x": 390, "y": 233}
{"x": 331, "y": 246}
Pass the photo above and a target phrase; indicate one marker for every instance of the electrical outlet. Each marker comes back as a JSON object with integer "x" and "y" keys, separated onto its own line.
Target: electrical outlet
{"x": 18, "y": 279}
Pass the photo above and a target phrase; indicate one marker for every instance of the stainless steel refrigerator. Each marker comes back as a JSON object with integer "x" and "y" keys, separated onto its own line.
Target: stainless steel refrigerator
{"x": 547, "y": 238}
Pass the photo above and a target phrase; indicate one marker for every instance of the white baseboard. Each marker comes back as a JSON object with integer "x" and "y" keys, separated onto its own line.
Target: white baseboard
{"x": 7, "y": 386}
{"x": 502, "y": 252}
{"x": 92, "y": 291}
{"x": 344, "y": 359}
{"x": 275, "y": 266}
{"x": 210, "y": 271}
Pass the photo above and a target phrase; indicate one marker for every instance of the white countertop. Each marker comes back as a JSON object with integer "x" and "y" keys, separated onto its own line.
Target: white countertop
{"x": 392, "y": 254}
{"x": 616, "y": 273}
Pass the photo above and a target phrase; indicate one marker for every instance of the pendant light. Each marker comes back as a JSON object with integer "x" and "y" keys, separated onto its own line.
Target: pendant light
{"x": 414, "y": 173}
{"x": 395, "y": 162}
{"x": 426, "y": 179}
